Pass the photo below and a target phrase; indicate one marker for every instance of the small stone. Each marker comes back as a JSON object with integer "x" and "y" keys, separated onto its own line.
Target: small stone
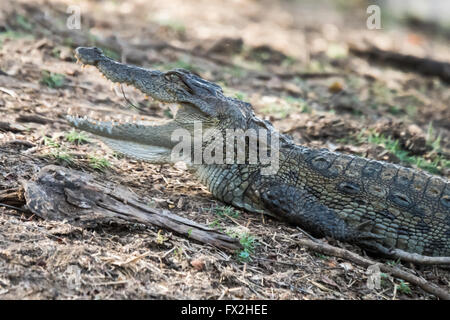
{"x": 198, "y": 264}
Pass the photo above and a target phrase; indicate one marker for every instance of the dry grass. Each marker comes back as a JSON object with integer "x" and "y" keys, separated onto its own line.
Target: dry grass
{"x": 53, "y": 260}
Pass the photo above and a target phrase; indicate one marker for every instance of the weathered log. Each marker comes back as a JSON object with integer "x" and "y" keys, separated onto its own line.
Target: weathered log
{"x": 58, "y": 193}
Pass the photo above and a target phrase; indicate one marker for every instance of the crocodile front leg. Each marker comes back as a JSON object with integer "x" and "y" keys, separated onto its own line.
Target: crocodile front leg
{"x": 302, "y": 208}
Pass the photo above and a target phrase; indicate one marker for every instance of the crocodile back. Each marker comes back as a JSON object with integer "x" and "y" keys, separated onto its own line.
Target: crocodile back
{"x": 409, "y": 208}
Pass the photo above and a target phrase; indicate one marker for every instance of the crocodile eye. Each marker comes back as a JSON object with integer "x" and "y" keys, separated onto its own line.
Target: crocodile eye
{"x": 349, "y": 187}
{"x": 172, "y": 76}
{"x": 400, "y": 199}
{"x": 177, "y": 78}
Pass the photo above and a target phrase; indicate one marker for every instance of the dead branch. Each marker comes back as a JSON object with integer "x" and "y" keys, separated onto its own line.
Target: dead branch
{"x": 411, "y": 63}
{"x": 58, "y": 193}
{"x": 419, "y": 259}
{"x": 311, "y": 75}
{"x": 33, "y": 118}
{"x": 396, "y": 272}
{"x": 6, "y": 126}
{"x": 416, "y": 258}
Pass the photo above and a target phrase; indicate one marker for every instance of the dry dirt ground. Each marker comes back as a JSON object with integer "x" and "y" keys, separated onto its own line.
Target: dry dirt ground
{"x": 290, "y": 59}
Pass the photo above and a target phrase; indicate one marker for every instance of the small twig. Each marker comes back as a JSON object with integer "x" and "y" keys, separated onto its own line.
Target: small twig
{"x": 21, "y": 142}
{"x": 12, "y": 207}
{"x": 16, "y": 153}
{"x": 276, "y": 262}
{"x": 396, "y": 272}
{"x": 306, "y": 233}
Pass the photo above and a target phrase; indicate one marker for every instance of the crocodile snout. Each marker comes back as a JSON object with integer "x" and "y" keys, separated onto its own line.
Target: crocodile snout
{"x": 89, "y": 55}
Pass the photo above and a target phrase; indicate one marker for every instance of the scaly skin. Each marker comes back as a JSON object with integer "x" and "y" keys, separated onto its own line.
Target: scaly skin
{"x": 371, "y": 203}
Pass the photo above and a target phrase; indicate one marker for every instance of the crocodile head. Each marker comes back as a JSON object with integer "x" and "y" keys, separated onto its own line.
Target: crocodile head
{"x": 199, "y": 101}
{"x": 175, "y": 86}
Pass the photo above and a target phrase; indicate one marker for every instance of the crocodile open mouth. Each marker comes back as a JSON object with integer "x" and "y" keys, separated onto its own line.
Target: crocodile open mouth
{"x": 140, "y": 139}
{"x": 121, "y": 127}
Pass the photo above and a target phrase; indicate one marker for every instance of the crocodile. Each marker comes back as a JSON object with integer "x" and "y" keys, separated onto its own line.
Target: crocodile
{"x": 376, "y": 205}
